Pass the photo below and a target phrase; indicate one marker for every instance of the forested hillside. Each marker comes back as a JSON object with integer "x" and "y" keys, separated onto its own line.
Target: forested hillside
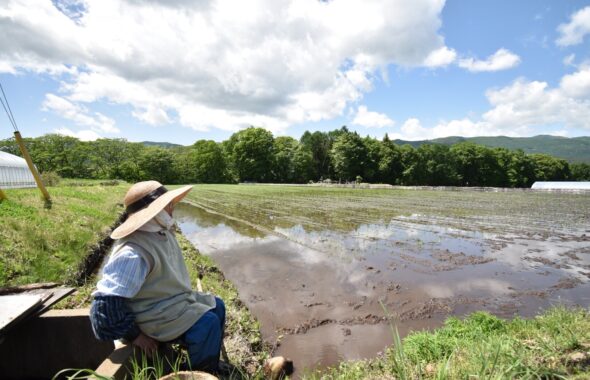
{"x": 576, "y": 149}
{"x": 255, "y": 155}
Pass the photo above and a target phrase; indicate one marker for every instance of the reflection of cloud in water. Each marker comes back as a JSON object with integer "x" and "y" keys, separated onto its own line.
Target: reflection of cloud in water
{"x": 369, "y": 239}
{"x": 221, "y": 237}
{"x": 468, "y": 287}
{"x": 528, "y": 254}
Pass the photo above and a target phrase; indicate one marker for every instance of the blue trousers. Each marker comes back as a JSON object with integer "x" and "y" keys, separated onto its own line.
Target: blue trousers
{"x": 203, "y": 339}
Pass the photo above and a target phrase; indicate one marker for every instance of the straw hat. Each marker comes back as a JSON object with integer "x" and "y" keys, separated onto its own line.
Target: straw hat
{"x": 143, "y": 201}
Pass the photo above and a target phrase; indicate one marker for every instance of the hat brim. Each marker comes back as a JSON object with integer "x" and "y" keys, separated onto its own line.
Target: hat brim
{"x": 141, "y": 217}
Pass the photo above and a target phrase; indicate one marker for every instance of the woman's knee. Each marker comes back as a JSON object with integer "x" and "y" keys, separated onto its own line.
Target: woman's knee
{"x": 219, "y": 309}
{"x": 206, "y": 327}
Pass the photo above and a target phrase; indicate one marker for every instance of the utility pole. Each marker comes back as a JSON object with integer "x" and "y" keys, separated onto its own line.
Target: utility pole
{"x": 32, "y": 167}
{"x": 23, "y": 150}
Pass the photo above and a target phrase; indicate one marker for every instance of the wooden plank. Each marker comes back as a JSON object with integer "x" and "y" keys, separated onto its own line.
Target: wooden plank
{"x": 26, "y": 288}
{"x": 16, "y": 307}
{"x": 47, "y": 298}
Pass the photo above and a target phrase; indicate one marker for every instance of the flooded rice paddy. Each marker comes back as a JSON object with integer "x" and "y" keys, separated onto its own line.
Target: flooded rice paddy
{"x": 327, "y": 271}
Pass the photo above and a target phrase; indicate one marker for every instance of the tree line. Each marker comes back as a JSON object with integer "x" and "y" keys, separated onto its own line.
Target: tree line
{"x": 255, "y": 155}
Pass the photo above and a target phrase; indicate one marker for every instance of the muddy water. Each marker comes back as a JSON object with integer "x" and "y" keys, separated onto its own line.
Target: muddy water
{"x": 323, "y": 296}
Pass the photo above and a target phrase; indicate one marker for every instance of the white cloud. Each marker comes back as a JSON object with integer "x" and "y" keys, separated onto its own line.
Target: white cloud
{"x": 501, "y": 60}
{"x": 84, "y": 135}
{"x": 577, "y": 85}
{"x": 573, "y": 32}
{"x": 412, "y": 129}
{"x": 534, "y": 103}
{"x": 370, "y": 119}
{"x": 569, "y": 60}
{"x": 222, "y": 63}
{"x": 516, "y": 109}
{"x": 440, "y": 57}
{"x": 78, "y": 114}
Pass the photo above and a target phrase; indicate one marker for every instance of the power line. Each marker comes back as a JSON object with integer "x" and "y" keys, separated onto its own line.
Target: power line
{"x": 7, "y": 109}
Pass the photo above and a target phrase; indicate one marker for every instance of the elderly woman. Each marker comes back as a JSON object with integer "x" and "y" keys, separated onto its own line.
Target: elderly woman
{"x": 144, "y": 295}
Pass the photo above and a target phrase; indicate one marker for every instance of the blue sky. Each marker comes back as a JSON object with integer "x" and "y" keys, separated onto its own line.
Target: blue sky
{"x": 178, "y": 72}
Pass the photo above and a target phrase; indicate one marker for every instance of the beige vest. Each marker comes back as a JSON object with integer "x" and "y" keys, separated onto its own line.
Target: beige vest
{"x": 165, "y": 306}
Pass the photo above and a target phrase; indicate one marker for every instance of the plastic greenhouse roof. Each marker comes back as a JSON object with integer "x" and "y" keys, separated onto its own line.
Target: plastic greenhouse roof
{"x": 10, "y": 160}
{"x": 562, "y": 185}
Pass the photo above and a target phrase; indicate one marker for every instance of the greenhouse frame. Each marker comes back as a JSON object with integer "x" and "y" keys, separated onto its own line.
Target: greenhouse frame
{"x": 14, "y": 172}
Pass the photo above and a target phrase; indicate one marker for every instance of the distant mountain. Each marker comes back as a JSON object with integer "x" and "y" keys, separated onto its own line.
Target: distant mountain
{"x": 161, "y": 144}
{"x": 575, "y": 149}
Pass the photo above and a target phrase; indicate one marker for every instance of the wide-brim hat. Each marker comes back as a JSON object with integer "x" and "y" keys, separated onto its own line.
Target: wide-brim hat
{"x": 143, "y": 201}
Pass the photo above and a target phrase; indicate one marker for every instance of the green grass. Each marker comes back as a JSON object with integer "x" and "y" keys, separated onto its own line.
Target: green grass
{"x": 46, "y": 244}
{"x": 555, "y": 344}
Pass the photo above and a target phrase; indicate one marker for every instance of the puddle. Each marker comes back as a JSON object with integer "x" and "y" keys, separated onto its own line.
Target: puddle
{"x": 322, "y": 293}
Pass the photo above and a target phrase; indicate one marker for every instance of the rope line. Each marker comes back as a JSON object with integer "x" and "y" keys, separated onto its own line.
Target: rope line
{"x": 7, "y": 109}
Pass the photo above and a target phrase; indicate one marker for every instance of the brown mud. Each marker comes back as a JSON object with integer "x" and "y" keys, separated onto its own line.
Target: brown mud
{"x": 323, "y": 295}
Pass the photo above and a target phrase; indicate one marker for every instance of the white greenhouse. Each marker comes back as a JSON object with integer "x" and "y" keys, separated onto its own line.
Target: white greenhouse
{"x": 561, "y": 185}
{"x": 14, "y": 172}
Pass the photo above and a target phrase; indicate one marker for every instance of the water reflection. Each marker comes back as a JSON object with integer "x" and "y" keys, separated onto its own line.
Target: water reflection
{"x": 419, "y": 272}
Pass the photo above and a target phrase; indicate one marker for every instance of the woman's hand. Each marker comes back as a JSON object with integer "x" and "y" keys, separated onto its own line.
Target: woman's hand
{"x": 147, "y": 344}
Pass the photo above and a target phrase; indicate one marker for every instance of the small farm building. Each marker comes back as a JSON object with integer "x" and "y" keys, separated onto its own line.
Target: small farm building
{"x": 14, "y": 172}
{"x": 561, "y": 185}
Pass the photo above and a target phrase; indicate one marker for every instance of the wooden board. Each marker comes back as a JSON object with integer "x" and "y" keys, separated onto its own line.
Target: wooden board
{"x": 15, "y": 307}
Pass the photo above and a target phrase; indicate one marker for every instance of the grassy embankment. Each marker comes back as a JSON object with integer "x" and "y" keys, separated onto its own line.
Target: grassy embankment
{"x": 40, "y": 244}
{"x": 47, "y": 244}
{"x": 553, "y": 345}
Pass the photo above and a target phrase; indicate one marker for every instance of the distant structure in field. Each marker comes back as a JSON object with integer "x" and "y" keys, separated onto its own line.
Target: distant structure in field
{"x": 14, "y": 172}
{"x": 561, "y": 185}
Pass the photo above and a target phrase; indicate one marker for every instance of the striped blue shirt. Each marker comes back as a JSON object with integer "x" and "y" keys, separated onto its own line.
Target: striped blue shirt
{"x": 124, "y": 273}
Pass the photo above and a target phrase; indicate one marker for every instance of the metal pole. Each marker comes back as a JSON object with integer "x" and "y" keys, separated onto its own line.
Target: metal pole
{"x": 32, "y": 167}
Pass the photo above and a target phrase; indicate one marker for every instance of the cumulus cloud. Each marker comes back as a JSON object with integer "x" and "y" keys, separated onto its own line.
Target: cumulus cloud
{"x": 576, "y": 29}
{"x": 517, "y": 108}
{"x": 84, "y": 135}
{"x": 369, "y": 119}
{"x": 577, "y": 85}
{"x": 501, "y": 60}
{"x": 440, "y": 57}
{"x": 220, "y": 63}
{"x": 78, "y": 114}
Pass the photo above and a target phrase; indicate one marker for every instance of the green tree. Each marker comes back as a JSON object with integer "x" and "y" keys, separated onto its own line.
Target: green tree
{"x": 207, "y": 162}
{"x": 303, "y": 165}
{"x": 477, "y": 165}
{"x": 319, "y": 145}
{"x": 580, "y": 171}
{"x": 548, "y": 168}
{"x": 436, "y": 166}
{"x": 252, "y": 154}
{"x": 390, "y": 164}
{"x": 349, "y": 154}
{"x": 373, "y": 157}
{"x": 156, "y": 163}
{"x": 284, "y": 165}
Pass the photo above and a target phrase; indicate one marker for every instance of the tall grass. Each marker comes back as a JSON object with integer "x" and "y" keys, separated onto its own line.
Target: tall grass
{"x": 41, "y": 244}
{"x": 482, "y": 346}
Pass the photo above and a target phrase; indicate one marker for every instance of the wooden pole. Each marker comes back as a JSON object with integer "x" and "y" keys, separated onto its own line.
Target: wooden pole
{"x": 32, "y": 167}
{"x": 2, "y": 195}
